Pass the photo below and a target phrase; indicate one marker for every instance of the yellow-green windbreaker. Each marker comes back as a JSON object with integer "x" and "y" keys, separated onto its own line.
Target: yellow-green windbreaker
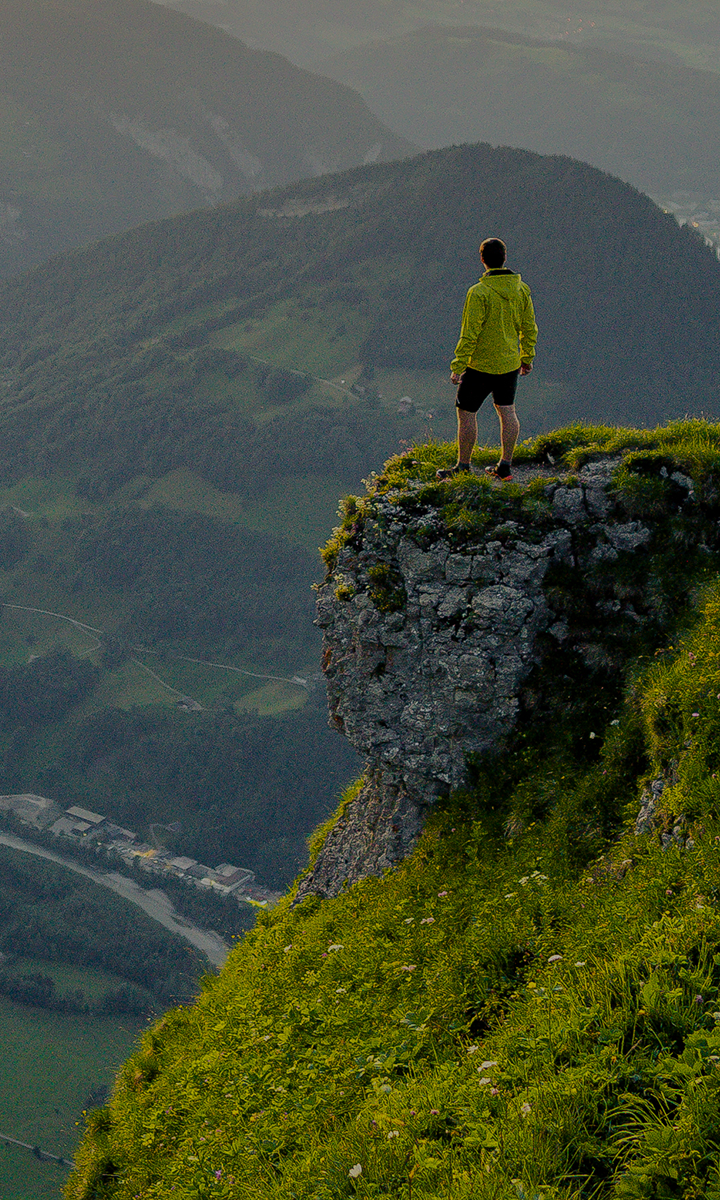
{"x": 498, "y": 325}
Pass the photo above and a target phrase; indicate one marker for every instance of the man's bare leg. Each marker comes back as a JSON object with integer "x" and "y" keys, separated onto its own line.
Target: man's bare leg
{"x": 509, "y": 429}
{"x": 467, "y": 434}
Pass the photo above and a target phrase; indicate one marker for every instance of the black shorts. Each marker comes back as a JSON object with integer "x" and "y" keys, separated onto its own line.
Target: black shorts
{"x": 476, "y": 386}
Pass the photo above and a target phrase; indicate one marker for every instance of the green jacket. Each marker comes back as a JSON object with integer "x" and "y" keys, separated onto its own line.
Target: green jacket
{"x": 498, "y": 325}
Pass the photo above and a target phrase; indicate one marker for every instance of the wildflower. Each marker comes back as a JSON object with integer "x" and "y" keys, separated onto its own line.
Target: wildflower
{"x": 484, "y": 1079}
{"x": 592, "y": 735}
{"x": 336, "y": 947}
{"x": 580, "y": 964}
{"x": 511, "y": 895}
{"x": 716, "y": 1016}
{"x": 288, "y": 949}
{"x": 695, "y": 714}
{"x": 487, "y": 1065}
{"x": 698, "y": 1000}
{"x": 494, "y": 1091}
{"x": 428, "y": 921}
{"x": 218, "y": 1174}
{"x": 442, "y": 893}
{"x": 616, "y": 722}
{"x": 355, "y": 1171}
{"x": 525, "y": 880}
{"x": 340, "y": 991}
{"x": 408, "y": 921}
{"x": 526, "y": 1109}
{"x": 555, "y": 958}
{"x": 386, "y": 1088}
{"x": 411, "y": 967}
{"x": 473, "y": 1049}
{"x": 393, "y": 1133}
{"x": 323, "y": 955}
{"x": 434, "y": 1112}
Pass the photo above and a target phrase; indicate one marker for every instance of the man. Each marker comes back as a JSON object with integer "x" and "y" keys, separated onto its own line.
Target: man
{"x": 497, "y": 344}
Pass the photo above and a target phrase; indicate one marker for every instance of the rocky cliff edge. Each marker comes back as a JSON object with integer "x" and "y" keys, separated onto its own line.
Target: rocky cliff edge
{"x": 448, "y": 610}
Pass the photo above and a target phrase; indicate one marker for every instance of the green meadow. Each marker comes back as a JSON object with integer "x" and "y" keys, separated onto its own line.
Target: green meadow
{"x": 52, "y": 1068}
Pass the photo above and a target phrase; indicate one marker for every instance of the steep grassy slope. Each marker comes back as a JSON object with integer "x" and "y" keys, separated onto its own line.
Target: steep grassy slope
{"x": 527, "y": 1005}
{"x": 653, "y": 124}
{"x": 115, "y": 112}
{"x": 308, "y": 32}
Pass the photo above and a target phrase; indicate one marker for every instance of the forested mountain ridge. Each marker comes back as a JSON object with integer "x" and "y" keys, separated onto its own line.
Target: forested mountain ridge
{"x": 527, "y": 1003}
{"x": 115, "y": 112}
{"x": 144, "y": 353}
{"x": 654, "y": 124}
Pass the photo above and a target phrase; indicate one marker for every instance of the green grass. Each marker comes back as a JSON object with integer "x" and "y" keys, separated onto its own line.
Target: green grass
{"x": 50, "y": 1069}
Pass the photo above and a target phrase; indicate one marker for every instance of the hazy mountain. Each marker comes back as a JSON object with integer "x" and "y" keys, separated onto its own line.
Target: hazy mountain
{"x": 655, "y": 125}
{"x": 115, "y": 112}
{"x": 310, "y": 30}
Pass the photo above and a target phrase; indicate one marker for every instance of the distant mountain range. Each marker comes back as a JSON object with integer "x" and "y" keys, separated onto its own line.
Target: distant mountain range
{"x": 115, "y": 112}
{"x": 657, "y": 125}
{"x": 307, "y": 31}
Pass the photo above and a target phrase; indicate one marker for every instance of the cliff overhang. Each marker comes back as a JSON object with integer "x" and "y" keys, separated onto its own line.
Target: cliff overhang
{"x": 442, "y": 602}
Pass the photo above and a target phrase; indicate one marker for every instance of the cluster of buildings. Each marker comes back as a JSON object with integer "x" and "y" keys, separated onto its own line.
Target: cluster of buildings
{"x": 81, "y": 825}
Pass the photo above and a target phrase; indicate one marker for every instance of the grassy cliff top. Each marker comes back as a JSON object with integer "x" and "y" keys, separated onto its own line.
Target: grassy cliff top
{"x": 642, "y": 459}
{"x": 527, "y": 1006}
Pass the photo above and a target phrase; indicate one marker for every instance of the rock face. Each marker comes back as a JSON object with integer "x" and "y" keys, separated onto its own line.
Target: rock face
{"x": 427, "y": 646}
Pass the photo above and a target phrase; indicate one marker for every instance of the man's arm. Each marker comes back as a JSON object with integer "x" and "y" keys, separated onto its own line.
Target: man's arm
{"x": 473, "y": 319}
{"x": 528, "y": 336}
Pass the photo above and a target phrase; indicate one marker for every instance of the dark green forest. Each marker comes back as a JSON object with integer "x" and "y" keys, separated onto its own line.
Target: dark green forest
{"x": 52, "y": 915}
{"x": 181, "y": 572}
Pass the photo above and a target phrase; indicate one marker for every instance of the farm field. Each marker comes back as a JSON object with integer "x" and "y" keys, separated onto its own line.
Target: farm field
{"x": 75, "y": 1057}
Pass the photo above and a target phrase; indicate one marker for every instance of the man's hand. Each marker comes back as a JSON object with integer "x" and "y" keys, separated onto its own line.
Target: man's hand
{"x": 525, "y": 368}
{"x": 454, "y": 378}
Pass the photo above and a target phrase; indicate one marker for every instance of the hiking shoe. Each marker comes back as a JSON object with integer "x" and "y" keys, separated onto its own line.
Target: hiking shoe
{"x": 451, "y": 472}
{"x": 502, "y": 471}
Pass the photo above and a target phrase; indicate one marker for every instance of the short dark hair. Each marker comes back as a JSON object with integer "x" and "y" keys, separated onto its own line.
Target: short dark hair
{"x": 493, "y": 252}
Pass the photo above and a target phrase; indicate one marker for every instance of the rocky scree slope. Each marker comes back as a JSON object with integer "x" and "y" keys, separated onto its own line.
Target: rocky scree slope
{"x": 442, "y": 603}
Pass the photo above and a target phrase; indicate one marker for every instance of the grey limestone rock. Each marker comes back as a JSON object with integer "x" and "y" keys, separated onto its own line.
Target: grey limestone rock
{"x": 430, "y": 671}
{"x": 628, "y": 536}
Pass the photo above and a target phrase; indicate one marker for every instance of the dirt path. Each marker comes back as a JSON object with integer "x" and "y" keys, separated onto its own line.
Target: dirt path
{"x": 155, "y": 903}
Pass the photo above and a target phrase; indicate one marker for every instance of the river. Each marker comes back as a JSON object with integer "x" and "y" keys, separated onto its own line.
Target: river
{"x": 155, "y": 903}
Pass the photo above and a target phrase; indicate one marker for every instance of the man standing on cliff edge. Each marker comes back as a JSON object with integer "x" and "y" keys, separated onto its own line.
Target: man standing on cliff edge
{"x": 497, "y": 344}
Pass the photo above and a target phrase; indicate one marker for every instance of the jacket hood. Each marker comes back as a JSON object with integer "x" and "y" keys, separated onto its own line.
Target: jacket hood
{"x": 506, "y": 285}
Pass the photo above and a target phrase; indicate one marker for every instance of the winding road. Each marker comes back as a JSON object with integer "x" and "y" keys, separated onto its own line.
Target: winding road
{"x": 297, "y": 680}
{"x": 155, "y": 903}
